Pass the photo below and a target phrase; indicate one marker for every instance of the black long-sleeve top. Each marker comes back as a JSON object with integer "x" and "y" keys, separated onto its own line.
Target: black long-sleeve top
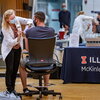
{"x": 64, "y": 18}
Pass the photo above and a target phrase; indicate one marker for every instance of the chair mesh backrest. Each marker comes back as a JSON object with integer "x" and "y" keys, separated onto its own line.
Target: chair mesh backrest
{"x": 41, "y": 51}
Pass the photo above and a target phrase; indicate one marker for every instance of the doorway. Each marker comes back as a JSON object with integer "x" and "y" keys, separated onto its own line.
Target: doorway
{"x": 74, "y": 6}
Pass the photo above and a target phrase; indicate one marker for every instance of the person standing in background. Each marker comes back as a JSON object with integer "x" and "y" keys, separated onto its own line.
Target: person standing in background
{"x": 64, "y": 18}
{"x": 11, "y": 50}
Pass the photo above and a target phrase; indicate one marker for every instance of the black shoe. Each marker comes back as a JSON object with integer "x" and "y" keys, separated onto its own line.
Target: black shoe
{"x": 27, "y": 92}
{"x": 45, "y": 89}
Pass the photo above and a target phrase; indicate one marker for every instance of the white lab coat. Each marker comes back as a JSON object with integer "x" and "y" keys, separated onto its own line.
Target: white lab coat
{"x": 81, "y": 24}
{"x": 9, "y": 41}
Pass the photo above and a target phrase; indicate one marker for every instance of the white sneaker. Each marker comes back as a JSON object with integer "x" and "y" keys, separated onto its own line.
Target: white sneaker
{"x": 15, "y": 96}
{"x": 7, "y": 95}
{"x": 4, "y": 94}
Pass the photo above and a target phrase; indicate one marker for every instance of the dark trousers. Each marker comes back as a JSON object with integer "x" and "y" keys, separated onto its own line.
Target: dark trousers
{"x": 12, "y": 63}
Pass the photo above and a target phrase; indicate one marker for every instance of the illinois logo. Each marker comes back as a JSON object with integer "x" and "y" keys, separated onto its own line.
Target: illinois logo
{"x": 83, "y": 59}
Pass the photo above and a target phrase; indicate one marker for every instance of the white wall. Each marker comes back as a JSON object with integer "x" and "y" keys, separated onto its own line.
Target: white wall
{"x": 66, "y": 3}
{"x": 34, "y": 7}
{"x": 92, "y": 5}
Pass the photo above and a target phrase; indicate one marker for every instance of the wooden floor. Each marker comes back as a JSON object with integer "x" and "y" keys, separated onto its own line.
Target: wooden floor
{"x": 69, "y": 91}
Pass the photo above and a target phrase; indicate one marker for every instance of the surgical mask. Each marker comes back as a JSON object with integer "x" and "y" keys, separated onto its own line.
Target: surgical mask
{"x": 34, "y": 23}
{"x": 13, "y": 21}
{"x": 64, "y": 8}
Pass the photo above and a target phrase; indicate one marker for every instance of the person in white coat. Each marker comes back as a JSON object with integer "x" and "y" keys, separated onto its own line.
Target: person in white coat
{"x": 82, "y": 25}
{"x": 11, "y": 49}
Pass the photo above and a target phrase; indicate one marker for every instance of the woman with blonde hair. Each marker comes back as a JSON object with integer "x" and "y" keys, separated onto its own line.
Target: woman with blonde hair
{"x": 11, "y": 49}
{"x": 80, "y": 13}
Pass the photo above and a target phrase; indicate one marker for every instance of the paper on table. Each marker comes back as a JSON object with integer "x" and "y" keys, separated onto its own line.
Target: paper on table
{"x": 74, "y": 40}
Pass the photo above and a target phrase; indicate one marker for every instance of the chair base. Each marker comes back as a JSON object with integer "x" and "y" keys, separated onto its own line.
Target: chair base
{"x": 42, "y": 92}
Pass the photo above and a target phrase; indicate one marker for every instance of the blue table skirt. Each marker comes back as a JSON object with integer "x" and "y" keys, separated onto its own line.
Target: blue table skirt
{"x": 81, "y": 64}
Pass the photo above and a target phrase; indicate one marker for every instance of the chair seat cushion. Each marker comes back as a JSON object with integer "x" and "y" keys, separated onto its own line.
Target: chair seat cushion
{"x": 40, "y": 68}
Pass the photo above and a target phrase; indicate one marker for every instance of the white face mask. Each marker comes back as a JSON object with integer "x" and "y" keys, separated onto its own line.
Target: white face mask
{"x": 13, "y": 21}
{"x": 64, "y": 8}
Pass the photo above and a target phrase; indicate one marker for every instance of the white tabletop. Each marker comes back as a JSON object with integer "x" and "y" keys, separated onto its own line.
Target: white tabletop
{"x": 62, "y": 40}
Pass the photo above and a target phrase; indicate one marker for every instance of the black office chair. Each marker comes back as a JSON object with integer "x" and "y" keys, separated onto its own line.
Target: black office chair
{"x": 41, "y": 63}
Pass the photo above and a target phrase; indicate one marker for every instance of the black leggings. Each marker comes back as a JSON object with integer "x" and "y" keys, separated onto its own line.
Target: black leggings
{"x": 12, "y": 64}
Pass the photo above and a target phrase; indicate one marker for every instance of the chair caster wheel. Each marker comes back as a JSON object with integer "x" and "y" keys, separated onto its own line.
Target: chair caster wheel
{"x": 40, "y": 97}
{"x": 60, "y": 97}
{"x": 30, "y": 95}
{"x": 54, "y": 94}
{"x": 45, "y": 94}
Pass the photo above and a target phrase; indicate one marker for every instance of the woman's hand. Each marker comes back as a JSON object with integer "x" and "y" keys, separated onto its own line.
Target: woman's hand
{"x": 19, "y": 36}
{"x": 17, "y": 46}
